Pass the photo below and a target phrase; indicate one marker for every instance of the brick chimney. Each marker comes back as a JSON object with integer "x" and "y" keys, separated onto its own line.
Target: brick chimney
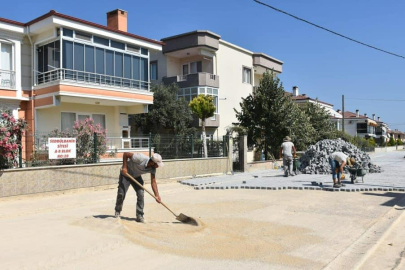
{"x": 365, "y": 114}
{"x": 378, "y": 118}
{"x": 339, "y": 111}
{"x": 295, "y": 91}
{"x": 357, "y": 113}
{"x": 373, "y": 116}
{"x": 117, "y": 19}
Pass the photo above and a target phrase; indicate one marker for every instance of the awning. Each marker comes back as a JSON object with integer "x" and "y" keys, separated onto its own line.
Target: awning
{"x": 371, "y": 123}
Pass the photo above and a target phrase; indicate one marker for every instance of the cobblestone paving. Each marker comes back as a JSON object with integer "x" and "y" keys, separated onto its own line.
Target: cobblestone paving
{"x": 391, "y": 179}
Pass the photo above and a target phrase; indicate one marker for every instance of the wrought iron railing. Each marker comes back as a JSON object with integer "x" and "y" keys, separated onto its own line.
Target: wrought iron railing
{"x": 7, "y": 79}
{"x": 63, "y": 74}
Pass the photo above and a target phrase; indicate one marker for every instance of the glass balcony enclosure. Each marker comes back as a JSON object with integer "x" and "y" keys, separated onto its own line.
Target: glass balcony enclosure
{"x": 85, "y": 58}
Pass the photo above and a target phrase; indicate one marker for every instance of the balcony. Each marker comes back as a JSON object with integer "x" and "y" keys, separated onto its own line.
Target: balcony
{"x": 81, "y": 77}
{"x": 7, "y": 79}
{"x": 209, "y": 122}
{"x": 196, "y": 79}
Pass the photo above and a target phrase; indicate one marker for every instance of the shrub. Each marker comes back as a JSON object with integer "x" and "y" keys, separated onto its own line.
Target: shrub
{"x": 391, "y": 142}
{"x": 399, "y": 142}
{"x": 11, "y": 131}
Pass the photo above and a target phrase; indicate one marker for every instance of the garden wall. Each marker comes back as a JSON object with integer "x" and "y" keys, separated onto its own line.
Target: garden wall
{"x": 46, "y": 179}
{"x": 388, "y": 149}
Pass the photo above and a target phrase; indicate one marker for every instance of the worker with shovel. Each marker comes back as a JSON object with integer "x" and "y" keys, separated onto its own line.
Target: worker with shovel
{"x": 338, "y": 161}
{"x": 136, "y": 164}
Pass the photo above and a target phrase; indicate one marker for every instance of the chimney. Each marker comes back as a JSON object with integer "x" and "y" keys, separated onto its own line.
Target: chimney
{"x": 295, "y": 91}
{"x": 339, "y": 111}
{"x": 117, "y": 19}
{"x": 378, "y": 118}
{"x": 373, "y": 116}
{"x": 357, "y": 113}
{"x": 365, "y": 114}
{"x": 304, "y": 95}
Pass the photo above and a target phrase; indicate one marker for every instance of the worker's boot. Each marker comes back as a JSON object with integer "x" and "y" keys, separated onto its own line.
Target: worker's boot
{"x": 140, "y": 219}
{"x": 117, "y": 214}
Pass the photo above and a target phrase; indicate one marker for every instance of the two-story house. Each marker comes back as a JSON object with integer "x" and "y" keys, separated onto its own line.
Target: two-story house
{"x": 356, "y": 124}
{"x": 57, "y": 69}
{"x": 200, "y": 62}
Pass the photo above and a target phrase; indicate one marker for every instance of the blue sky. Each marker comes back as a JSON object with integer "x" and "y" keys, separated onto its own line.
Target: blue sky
{"x": 321, "y": 64}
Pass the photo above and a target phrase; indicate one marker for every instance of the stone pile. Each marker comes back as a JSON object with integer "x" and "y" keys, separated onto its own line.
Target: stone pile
{"x": 316, "y": 158}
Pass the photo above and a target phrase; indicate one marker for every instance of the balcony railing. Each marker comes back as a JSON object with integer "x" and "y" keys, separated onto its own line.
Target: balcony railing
{"x": 83, "y": 77}
{"x": 7, "y": 79}
{"x": 195, "y": 79}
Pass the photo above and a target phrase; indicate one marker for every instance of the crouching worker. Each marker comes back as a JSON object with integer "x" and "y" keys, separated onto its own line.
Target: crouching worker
{"x": 338, "y": 161}
{"x": 135, "y": 165}
{"x": 286, "y": 152}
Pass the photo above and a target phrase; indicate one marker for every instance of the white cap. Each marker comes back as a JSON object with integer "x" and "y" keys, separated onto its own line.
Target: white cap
{"x": 157, "y": 159}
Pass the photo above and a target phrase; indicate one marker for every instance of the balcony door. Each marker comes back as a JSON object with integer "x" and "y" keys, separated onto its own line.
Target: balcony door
{"x": 5, "y": 65}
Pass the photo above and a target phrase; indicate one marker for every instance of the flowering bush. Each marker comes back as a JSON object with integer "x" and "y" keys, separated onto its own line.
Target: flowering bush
{"x": 11, "y": 131}
{"x": 84, "y": 133}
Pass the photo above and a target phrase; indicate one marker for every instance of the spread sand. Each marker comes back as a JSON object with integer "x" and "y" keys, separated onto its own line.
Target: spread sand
{"x": 221, "y": 237}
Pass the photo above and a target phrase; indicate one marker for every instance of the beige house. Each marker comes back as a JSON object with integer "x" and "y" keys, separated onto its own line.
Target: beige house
{"x": 57, "y": 69}
{"x": 200, "y": 62}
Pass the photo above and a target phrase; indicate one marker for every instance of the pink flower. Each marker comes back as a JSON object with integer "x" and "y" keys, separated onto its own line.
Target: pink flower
{"x": 12, "y": 120}
{"x": 8, "y": 134}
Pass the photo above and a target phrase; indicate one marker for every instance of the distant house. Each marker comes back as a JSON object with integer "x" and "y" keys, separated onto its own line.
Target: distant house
{"x": 396, "y": 134}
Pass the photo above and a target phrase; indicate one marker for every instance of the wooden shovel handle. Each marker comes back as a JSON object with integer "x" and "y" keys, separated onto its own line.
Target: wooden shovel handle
{"x": 141, "y": 186}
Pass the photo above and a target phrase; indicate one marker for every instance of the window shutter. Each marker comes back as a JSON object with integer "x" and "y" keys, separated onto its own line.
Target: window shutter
{"x": 199, "y": 66}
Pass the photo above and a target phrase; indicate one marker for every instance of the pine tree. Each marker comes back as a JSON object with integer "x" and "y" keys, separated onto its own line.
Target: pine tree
{"x": 269, "y": 115}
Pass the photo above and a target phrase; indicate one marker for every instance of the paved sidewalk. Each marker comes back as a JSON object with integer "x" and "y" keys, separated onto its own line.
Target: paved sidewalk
{"x": 391, "y": 179}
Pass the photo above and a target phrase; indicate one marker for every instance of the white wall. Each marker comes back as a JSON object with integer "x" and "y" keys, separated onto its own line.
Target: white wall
{"x": 230, "y": 63}
{"x": 48, "y": 119}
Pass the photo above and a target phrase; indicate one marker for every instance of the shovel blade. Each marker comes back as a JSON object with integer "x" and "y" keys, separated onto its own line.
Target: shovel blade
{"x": 186, "y": 219}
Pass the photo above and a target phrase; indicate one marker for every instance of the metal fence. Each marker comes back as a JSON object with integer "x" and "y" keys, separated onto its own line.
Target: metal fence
{"x": 94, "y": 148}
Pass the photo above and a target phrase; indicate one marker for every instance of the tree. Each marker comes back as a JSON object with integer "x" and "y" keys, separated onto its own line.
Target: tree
{"x": 269, "y": 114}
{"x": 203, "y": 106}
{"x": 167, "y": 114}
{"x": 399, "y": 142}
{"x": 391, "y": 142}
{"x": 320, "y": 121}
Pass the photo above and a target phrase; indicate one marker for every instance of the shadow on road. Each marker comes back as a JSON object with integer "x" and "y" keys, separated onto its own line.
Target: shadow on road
{"x": 397, "y": 199}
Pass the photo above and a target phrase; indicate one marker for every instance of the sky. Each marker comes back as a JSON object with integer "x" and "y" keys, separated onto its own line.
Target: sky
{"x": 321, "y": 64}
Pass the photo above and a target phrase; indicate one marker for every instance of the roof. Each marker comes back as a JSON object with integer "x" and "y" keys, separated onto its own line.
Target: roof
{"x": 193, "y": 32}
{"x": 305, "y": 97}
{"x": 60, "y": 15}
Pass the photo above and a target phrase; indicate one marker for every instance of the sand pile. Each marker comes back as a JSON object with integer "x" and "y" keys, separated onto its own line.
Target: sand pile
{"x": 215, "y": 238}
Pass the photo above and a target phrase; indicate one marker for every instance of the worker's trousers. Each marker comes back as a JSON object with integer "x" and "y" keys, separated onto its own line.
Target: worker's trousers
{"x": 288, "y": 165}
{"x": 335, "y": 166}
{"x": 123, "y": 185}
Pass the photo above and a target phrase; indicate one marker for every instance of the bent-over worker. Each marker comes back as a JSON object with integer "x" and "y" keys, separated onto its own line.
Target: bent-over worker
{"x": 136, "y": 164}
{"x": 338, "y": 161}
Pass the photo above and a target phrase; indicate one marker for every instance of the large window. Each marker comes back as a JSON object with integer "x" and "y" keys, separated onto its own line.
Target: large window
{"x": 6, "y": 65}
{"x": 247, "y": 75}
{"x": 189, "y": 93}
{"x": 361, "y": 127}
{"x": 88, "y": 57}
{"x": 68, "y": 119}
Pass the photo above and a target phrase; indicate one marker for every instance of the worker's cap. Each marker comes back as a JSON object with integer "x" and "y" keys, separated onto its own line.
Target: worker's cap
{"x": 287, "y": 139}
{"x": 157, "y": 159}
{"x": 351, "y": 161}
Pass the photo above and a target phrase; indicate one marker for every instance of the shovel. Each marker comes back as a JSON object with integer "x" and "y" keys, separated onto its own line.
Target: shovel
{"x": 182, "y": 217}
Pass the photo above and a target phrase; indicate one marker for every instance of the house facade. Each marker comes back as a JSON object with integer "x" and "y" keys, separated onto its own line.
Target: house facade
{"x": 200, "y": 62}
{"x": 57, "y": 69}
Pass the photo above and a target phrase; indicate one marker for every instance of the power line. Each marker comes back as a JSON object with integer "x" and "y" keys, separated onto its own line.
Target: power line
{"x": 378, "y": 99}
{"x": 333, "y": 32}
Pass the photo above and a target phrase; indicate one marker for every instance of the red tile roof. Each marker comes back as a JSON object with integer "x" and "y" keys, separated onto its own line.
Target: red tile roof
{"x": 305, "y": 97}
{"x": 60, "y": 15}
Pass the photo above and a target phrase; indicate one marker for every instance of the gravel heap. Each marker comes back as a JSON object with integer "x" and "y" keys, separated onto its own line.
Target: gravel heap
{"x": 316, "y": 158}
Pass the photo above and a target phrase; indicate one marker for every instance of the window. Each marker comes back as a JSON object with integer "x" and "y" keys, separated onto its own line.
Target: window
{"x": 67, "y": 32}
{"x": 5, "y": 56}
{"x": 192, "y": 68}
{"x": 83, "y": 36}
{"x": 109, "y": 62}
{"x": 67, "y": 55}
{"x": 133, "y": 48}
{"x": 89, "y": 59}
{"x": 100, "y": 40}
{"x": 144, "y": 51}
{"x": 68, "y": 119}
{"x": 185, "y": 69}
{"x": 79, "y": 56}
{"x": 247, "y": 75}
{"x": 118, "y": 45}
{"x": 361, "y": 127}
{"x": 189, "y": 93}
{"x": 153, "y": 70}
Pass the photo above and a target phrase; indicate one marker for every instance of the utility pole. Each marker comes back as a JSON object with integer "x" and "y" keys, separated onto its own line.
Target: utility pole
{"x": 343, "y": 113}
